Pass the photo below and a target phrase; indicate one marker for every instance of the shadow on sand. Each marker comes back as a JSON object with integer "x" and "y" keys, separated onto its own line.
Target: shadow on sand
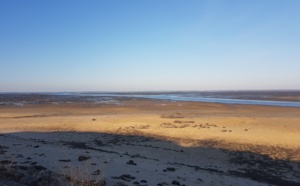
{"x": 30, "y": 153}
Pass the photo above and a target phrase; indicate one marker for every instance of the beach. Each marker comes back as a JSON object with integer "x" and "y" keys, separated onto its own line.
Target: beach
{"x": 137, "y": 141}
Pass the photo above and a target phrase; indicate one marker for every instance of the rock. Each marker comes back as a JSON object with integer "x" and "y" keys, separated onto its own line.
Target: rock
{"x": 128, "y": 176}
{"x": 39, "y": 168}
{"x": 21, "y": 167}
{"x": 175, "y": 182}
{"x": 37, "y": 146}
{"x": 131, "y": 162}
{"x": 199, "y": 179}
{"x": 68, "y": 160}
{"x": 171, "y": 169}
{"x": 120, "y": 184}
{"x": 19, "y": 156}
{"x": 97, "y": 172}
{"x": 5, "y": 162}
{"x": 83, "y": 158}
{"x": 98, "y": 142}
{"x": 162, "y": 184}
{"x": 125, "y": 177}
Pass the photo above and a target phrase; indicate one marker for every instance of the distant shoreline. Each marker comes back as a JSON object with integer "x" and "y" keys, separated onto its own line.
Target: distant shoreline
{"x": 265, "y": 98}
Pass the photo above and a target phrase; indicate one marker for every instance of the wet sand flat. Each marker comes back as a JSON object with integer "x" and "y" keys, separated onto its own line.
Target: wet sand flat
{"x": 151, "y": 142}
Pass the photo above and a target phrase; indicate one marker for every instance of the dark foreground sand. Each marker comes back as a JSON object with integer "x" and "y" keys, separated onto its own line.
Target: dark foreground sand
{"x": 147, "y": 142}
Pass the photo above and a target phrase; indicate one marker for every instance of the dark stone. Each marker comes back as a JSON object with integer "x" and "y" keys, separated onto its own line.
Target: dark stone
{"x": 125, "y": 177}
{"x": 37, "y": 146}
{"x": 175, "y": 182}
{"x": 19, "y": 156}
{"x": 39, "y": 168}
{"x": 199, "y": 179}
{"x": 83, "y": 158}
{"x": 5, "y": 162}
{"x": 128, "y": 176}
{"x": 171, "y": 169}
{"x": 97, "y": 172}
{"x": 68, "y": 160}
{"x": 99, "y": 142}
{"x": 131, "y": 162}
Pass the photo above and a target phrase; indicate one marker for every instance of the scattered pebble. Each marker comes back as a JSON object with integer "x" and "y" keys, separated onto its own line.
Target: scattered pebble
{"x": 125, "y": 177}
{"x": 131, "y": 162}
{"x": 68, "y": 160}
{"x": 97, "y": 172}
{"x": 172, "y": 169}
{"x": 175, "y": 182}
{"x": 83, "y": 158}
{"x": 5, "y": 162}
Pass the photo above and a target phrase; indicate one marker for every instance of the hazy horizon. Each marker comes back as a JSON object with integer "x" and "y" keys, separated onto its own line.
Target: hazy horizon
{"x": 121, "y": 46}
{"x": 156, "y": 91}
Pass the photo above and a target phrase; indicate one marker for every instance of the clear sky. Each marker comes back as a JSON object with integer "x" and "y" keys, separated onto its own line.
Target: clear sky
{"x": 140, "y": 45}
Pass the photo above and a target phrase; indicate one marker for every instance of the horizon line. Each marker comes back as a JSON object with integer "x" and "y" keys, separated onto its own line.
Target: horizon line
{"x": 149, "y": 91}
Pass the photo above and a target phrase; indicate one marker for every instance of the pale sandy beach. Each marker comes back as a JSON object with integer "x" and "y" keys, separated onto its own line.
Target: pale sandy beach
{"x": 151, "y": 142}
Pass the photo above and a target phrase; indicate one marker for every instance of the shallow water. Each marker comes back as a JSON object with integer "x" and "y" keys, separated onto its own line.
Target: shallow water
{"x": 252, "y": 98}
{"x": 268, "y": 98}
{"x": 221, "y": 100}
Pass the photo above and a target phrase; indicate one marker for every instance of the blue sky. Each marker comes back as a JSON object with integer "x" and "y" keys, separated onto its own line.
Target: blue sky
{"x": 130, "y": 45}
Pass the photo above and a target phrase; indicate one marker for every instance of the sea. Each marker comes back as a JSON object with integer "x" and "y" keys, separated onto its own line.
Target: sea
{"x": 286, "y": 98}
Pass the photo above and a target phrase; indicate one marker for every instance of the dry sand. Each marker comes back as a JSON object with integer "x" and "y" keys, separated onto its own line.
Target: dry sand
{"x": 148, "y": 142}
